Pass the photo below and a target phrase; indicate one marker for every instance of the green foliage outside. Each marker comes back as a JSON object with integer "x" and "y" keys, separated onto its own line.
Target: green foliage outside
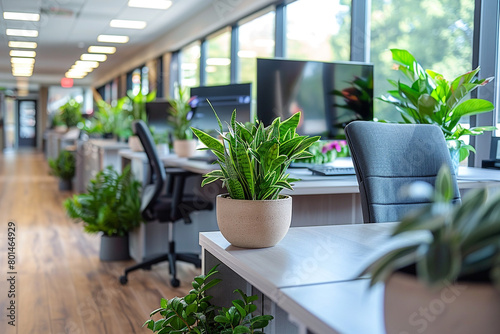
{"x": 463, "y": 239}
{"x": 64, "y": 166}
{"x": 112, "y": 203}
{"x": 194, "y": 313}
{"x": 253, "y": 160}
{"x": 431, "y": 99}
{"x": 438, "y": 33}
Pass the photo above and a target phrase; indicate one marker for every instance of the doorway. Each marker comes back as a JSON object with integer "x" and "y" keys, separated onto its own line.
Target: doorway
{"x": 26, "y": 134}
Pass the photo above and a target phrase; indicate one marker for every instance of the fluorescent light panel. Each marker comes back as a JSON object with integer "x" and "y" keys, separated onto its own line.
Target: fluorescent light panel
{"x": 155, "y": 4}
{"x": 18, "y": 53}
{"x": 93, "y": 57}
{"x": 83, "y": 63}
{"x": 22, "y": 32}
{"x": 102, "y": 49}
{"x": 21, "y": 16}
{"x": 24, "y": 45}
{"x": 128, "y": 24}
{"x": 112, "y": 39}
{"x": 15, "y": 60}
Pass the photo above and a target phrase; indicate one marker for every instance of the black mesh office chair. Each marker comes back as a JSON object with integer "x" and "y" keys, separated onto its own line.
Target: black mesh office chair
{"x": 387, "y": 157}
{"x": 167, "y": 208}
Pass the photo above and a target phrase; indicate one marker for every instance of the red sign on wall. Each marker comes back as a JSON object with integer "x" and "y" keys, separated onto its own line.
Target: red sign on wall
{"x": 66, "y": 82}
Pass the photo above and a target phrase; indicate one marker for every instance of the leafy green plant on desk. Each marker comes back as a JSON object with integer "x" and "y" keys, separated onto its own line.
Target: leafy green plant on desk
{"x": 431, "y": 99}
{"x": 254, "y": 159}
{"x": 194, "y": 313}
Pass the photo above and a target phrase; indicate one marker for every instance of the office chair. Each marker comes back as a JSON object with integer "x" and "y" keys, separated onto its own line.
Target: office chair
{"x": 167, "y": 208}
{"x": 387, "y": 157}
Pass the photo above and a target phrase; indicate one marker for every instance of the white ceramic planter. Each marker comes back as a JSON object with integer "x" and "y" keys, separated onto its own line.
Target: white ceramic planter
{"x": 185, "y": 148}
{"x": 253, "y": 224}
{"x": 135, "y": 144}
{"x": 464, "y": 308}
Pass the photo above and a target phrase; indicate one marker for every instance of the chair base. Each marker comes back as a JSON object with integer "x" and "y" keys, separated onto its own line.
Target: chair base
{"x": 172, "y": 257}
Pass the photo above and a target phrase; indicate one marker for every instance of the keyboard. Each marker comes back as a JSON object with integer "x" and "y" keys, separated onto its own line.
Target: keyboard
{"x": 332, "y": 171}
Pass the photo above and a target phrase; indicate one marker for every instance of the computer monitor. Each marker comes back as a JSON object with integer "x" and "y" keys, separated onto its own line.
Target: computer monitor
{"x": 157, "y": 112}
{"x": 329, "y": 95}
{"x": 224, "y": 99}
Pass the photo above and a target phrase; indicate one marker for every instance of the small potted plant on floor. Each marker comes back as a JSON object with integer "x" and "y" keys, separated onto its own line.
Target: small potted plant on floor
{"x": 431, "y": 99}
{"x": 180, "y": 115}
{"x": 253, "y": 164}
{"x": 194, "y": 313}
{"x": 112, "y": 205}
{"x": 447, "y": 279}
{"x": 64, "y": 168}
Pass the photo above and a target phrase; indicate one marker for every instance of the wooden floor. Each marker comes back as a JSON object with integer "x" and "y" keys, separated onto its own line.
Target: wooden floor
{"x": 61, "y": 286}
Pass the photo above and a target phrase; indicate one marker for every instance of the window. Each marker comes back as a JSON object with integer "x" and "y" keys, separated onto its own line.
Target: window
{"x": 437, "y": 32}
{"x": 218, "y": 58}
{"x": 190, "y": 65}
{"x": 256, "y": 39}
{"x": 145, "y": 80}
{"x": 318, "y": 30}
{"x": 136, "y": 81}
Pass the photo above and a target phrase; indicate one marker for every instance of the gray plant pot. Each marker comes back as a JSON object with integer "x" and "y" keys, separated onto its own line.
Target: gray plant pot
{"x": 114, "y": 248}
{"x": 65, "y": 185}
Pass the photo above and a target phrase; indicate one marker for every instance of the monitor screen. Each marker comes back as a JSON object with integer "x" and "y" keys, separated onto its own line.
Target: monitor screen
{"x": 329, "y": 95}
{"x": 224, "y": 99}
{"x": 157, "y": 112}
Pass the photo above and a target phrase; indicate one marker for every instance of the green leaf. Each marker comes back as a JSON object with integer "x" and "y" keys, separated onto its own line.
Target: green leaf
{"x": 241, "y": 329}
{"x": 444, "y": 184}
{"x": 289, "y": 125}
{"x": 472, "y": 107}
{"x": 213, "y": 144}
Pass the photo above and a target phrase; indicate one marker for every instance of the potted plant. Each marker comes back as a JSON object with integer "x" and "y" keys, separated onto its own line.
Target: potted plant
{"x": 253, "y": 167}
{"x": 112, "y": 205}
{"x": 194, "y": 313}
{"x": 110, "y": 120}
{"x": 431, "y": 99}
{"x": 180, "y": 114}
{"x": 136, "y": 106}
{"x": 70, "y": 114}
{"x": 64, "y": 168}
{"x": 449, "y": 270}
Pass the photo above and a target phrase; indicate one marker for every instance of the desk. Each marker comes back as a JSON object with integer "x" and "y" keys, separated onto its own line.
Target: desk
{"x": 317, "y": 200}
{"x": 311, "y": 275}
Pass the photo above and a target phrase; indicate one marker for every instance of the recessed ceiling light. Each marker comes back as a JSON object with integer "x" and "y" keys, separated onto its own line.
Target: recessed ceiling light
{"x": 75, "y": 75}
{"x": 25, "y": 45}
{"x": 92, "y": 64}
{"x": 93, "y": 57}
{"x": 81, "y": 69}
{"x": 22, "y": 74}
{"x": 112, "y": 39}
{"x": 22, "y": 32}
{"x": 155, "y": 4}
{"x": 102, "y": 49}
{"x": 17, "y": 53}
{"x": 21, "y": 16}
{"x": 130, "y": 24}
{"x": 15, "y": 60}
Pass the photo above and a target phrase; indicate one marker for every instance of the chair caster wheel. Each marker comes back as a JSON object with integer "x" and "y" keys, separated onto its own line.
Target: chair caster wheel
{"x": 175, "y": 282}
{"x": 123, "y": 280}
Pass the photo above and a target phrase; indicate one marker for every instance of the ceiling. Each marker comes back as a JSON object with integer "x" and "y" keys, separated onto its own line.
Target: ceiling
{"x": 68, "y": 27}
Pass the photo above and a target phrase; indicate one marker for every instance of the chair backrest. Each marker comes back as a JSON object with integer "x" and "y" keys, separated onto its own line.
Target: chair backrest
{"x": 387, "y": 157}
{"x": 158, "y": 177}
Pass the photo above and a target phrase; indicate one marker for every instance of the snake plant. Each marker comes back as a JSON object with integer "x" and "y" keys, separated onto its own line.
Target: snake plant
{"x": 253, "y": 159}
{"x": 463, "y": 240}
{"x": 431, "y": 99}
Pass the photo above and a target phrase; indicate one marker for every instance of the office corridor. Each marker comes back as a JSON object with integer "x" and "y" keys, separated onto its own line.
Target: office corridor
{"x": 60, "y": 285}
